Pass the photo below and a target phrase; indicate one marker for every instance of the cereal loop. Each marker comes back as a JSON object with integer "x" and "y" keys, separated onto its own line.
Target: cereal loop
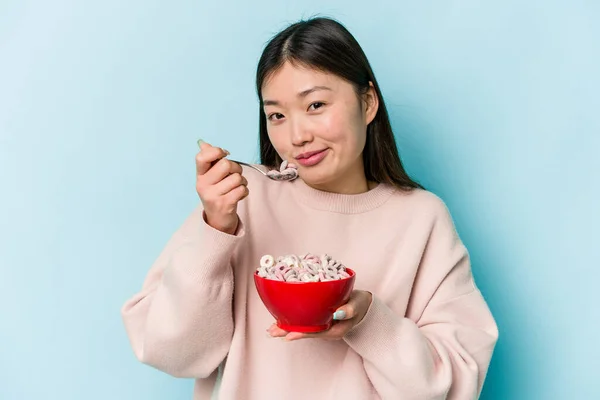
{"x": 307, "y": 268}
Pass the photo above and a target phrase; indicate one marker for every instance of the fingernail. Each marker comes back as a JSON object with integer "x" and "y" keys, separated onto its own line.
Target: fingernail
{"x": 200, "y": 141}
{"x": 226, "y": 152}
{"x": 339, "y": 314}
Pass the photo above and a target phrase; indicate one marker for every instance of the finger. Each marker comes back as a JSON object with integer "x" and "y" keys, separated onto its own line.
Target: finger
{"x": 220, "y": 170}
{"x": 203, "y": 146}
{"x": 230, "y": 182}
{"x": 206, "y": 158}
{"x": 237, "y": 194}
{"x": 348, "y": 310}
{"x": 296, "y": 336}
{"x": 276, "y": 331}
{"x": 336, "y": 332}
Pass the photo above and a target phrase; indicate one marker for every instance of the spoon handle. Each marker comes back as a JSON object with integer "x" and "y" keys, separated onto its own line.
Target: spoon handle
{"x": 251, "y": 166}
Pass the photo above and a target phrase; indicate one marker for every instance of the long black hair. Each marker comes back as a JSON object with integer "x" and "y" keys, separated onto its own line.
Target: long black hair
{"x": 326, "y": 45}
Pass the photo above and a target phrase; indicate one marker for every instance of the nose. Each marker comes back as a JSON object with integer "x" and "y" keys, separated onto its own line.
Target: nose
{"x": 300, "y": 133}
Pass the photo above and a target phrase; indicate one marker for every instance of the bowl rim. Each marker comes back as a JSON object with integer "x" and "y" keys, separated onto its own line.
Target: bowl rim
{"x": 352, "y": 275}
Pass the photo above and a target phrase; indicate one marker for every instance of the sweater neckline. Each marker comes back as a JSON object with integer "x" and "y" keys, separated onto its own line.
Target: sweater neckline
{"x": 343, "y": 203}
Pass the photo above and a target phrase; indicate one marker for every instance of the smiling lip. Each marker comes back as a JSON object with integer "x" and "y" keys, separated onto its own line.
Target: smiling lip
{"x": 311, "y": 158}
{"x": 308, "y": 154}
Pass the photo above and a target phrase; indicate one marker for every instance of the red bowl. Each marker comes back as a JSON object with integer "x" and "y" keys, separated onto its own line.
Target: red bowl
{"x": 304, "y": 306}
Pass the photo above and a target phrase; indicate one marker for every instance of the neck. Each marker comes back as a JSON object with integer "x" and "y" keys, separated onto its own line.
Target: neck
{"x": 355, "y": 182}
{"x": 341, "y": 202}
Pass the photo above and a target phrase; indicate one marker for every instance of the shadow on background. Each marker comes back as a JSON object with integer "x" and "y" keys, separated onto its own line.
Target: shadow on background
{"x": 430, "y": 161}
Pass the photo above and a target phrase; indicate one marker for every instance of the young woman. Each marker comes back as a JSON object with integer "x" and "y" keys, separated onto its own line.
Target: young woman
{"x": 416, "y": 327}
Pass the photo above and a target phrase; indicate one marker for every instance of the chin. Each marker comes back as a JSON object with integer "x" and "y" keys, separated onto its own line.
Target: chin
{"x": 316, "y": 178}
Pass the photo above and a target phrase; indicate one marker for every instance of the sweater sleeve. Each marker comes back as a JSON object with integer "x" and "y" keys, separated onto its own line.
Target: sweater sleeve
{"x": 181, "y": 321}
{"x": 442, "y": 350}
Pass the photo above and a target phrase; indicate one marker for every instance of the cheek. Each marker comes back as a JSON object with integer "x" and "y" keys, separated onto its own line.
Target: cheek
{"x": 345, "y": 131}
{"x": 334, "y": 128}
{"x": 278, "y": 141}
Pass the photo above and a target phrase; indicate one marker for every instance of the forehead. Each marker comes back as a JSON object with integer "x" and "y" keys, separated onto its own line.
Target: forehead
{"x": 291, "y": 79}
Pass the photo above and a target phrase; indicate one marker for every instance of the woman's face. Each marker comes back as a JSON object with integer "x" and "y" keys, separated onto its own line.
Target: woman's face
{"x": 316, "y": 121}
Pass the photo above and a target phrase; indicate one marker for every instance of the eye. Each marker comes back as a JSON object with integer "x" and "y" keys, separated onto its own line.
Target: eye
{"x": 316, "y": 105}
{"x": 275, "y": 117}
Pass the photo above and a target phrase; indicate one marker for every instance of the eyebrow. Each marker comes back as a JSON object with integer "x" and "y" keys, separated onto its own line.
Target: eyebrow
{"x": 302, "y": 94}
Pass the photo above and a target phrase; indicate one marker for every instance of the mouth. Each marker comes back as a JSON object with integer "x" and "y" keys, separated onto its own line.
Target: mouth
{"x": 309, "y": 154}
{"x": 312, "y": 158}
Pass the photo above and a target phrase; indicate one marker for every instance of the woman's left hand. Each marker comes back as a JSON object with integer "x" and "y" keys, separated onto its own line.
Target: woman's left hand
{"x": 346, "y": 317}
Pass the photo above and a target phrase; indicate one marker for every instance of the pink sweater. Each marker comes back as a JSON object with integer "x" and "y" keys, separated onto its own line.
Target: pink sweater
{"x": 428, "y": 333}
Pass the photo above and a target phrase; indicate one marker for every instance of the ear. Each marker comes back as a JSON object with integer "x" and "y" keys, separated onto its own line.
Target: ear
{"x": 371, "y": 103}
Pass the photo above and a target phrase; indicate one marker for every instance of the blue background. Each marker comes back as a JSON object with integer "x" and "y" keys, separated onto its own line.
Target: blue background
{"x": 101, "y": 103}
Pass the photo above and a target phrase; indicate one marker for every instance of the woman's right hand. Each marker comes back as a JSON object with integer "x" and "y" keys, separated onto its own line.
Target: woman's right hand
{"x": 220, "y": 185}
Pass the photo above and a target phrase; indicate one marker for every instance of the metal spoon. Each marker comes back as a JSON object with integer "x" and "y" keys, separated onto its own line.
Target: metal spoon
{"x": 252, "y": 166}
{"x": 272, "y": 177}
